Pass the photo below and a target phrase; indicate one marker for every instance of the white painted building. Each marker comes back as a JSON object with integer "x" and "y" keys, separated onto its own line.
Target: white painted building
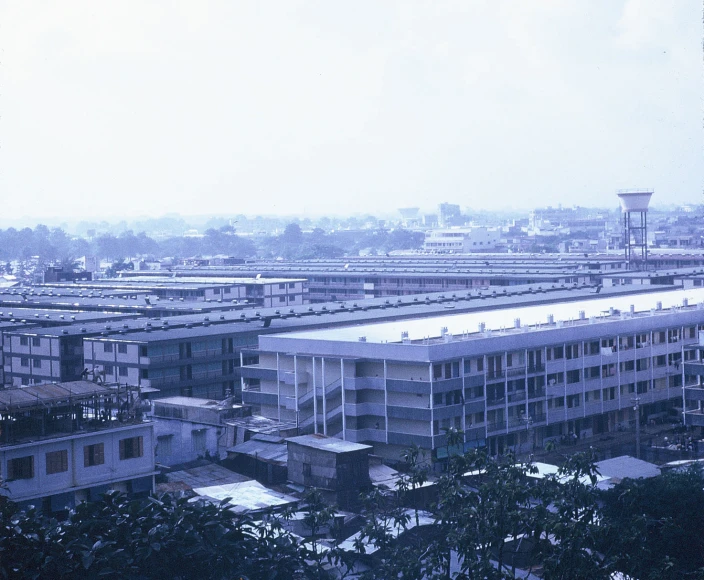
{"x": 462, "y": 240}
{"x": 60, "y": 444}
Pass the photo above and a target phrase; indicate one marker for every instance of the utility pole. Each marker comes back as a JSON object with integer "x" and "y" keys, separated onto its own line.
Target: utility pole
{"x": 636, "y": 401}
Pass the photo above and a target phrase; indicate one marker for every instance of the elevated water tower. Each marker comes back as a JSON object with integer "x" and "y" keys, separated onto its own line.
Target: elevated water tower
{"x": 634, "y": 210}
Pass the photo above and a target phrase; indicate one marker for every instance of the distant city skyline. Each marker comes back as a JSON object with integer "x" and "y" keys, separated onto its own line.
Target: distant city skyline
{"x": 124, "y": 110}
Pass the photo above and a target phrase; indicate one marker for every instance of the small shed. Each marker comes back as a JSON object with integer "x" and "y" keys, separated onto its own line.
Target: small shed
{"x": 330, "y": 464}
{"x": 263, "y": 457}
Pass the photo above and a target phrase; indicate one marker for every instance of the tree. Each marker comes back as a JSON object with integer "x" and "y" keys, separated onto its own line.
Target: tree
{"x": 652, "y": 527}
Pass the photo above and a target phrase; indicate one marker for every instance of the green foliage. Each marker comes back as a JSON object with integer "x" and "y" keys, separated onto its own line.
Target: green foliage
{"x": 490, "y": 519}
{"x": 167, "y": 538}
{"x": 652, "y": 527}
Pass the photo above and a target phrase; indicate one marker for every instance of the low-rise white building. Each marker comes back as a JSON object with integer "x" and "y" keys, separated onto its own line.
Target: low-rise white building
{"x": 61, "y": 444}
{"x": 462, "y": 240}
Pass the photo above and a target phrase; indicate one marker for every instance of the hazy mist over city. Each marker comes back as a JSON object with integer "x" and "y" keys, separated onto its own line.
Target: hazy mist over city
{"x": 126, "y": 109}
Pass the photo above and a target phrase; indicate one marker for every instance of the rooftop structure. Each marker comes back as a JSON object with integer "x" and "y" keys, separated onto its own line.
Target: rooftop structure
{"x": 634, "y": 205}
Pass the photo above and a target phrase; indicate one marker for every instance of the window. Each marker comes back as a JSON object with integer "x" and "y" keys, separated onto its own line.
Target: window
{"x": 144, "y": 373}
{"x": 36, "y": 341}
{"x": 24, "y": 341}
{"x": 306, "y": 470}
{"x": 226, "y": 290}
{"x": 37, "y": 363}
{"x": 24, "y": 361}
{"x": 282, "y": 286}
{"x": 131, "y": 448}
{"x": 107, "y": 347}
{"x": 20, "y": 467}
{"x": 291, "y": 284}
{"x": 122, "y": 371}
{"x": 109, "y": 370}
{"x": 57, "y": 461}
{"x": 282, "y": 298}
{"x": 93, "y": 454}
{"x": 143, "y": 351}
{"x": 122, "y": 348}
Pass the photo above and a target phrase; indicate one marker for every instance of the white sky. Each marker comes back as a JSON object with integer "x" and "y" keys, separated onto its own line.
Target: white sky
{"x": 124, "y": 108}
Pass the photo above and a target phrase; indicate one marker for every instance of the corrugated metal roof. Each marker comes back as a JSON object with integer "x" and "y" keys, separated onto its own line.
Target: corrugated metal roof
{"x": 45, "y": 394}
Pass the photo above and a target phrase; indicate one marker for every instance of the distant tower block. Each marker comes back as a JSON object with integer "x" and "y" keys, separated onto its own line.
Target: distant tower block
{"x": 634, "y": 207}
{"x": 410, "y": 215}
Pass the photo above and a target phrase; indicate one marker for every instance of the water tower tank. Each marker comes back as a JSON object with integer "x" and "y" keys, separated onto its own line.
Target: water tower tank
{"x": 409, "y": 212}
{"x": 634, "y": 199}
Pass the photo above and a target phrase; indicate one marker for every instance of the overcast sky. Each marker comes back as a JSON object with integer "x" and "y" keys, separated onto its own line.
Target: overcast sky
{"x": 126, "y": 108}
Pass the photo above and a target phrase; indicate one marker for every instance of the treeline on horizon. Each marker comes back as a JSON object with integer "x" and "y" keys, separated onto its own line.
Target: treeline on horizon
{"x": 56, "y": 246}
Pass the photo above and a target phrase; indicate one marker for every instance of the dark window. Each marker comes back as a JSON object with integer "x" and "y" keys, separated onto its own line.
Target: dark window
{"x": 107, "y": 347}
{"x": 37, "y": 363}
{"x": 282, "y": 286}
{"x": 36, "y": 341}
{"x": 131, "y": 448}
{"x": 122, "y": 371}
{"x": 21, "y": 467}
{"x": 24, "y": 341}
{"x": 306, "y": 470}
{"x": 24, "y": 361}
{"x": 122, "y": 348}
{"x": 109, "y": 370}
{"x": 93, "y": 454}
{"x": 143, "y": 351}
{"x": 57, "y": 461}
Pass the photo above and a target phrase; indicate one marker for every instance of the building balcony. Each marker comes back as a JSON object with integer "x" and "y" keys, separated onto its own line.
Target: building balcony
{"x": 410, "y": 413}
{"x": 259, "y": 398}
{"x": 361, "y": 409}
{"x": 695, "y": 418}
{"x": 409, "y": 439}
{"x": 694, "y": 393}
{"x": 257, "y": 372}
{"x": 516, "y": 396}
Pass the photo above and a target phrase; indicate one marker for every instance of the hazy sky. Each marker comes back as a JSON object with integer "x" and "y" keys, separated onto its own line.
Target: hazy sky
{"x": 125, "y": 108}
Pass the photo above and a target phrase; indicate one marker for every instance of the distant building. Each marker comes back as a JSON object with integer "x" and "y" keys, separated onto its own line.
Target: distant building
{"x": 450, "y": 215}
{"x": 58, "y": 274}
{"x": 462, "y": 240}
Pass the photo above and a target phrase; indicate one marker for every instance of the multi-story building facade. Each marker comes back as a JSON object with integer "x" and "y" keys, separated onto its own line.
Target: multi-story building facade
{"x": 61, "y": 444}
{"x": 515, "y": 377}
{"x": 462, "y": 240}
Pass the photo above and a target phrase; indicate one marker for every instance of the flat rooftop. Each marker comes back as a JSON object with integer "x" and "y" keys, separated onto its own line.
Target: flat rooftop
{"x": 330, "y": 444}
{"x": 420, "y": 329}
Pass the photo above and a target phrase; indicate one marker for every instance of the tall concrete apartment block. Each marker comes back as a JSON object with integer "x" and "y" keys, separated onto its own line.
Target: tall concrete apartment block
{"x": 510, "y": 378}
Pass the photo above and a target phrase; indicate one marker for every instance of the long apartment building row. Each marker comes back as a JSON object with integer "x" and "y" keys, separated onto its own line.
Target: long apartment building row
{"x": 509, "y": 378}
{"x": 257, "y": 291}
{"x": 199, "y": 355}
{"x": 373, "y": 277}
